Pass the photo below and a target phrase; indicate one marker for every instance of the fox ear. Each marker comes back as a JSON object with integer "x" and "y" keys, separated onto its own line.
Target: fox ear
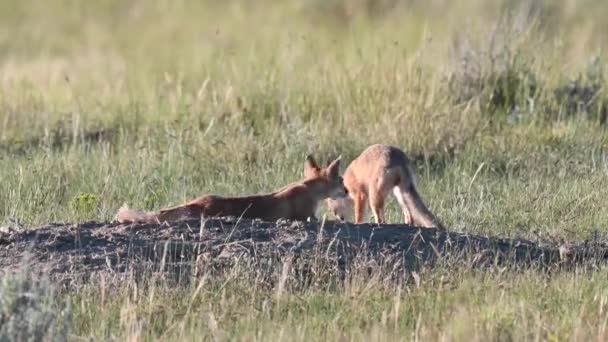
{"x": 330, "y": 160}
{"x": 334, "y": 167}
{"x": 310, "y": 166}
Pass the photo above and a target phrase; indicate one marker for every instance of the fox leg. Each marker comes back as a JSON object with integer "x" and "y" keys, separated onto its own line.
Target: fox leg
{"x": 359, "y": 200}
{"x": 407, "y": 216}
{"x": 376, "y": 202}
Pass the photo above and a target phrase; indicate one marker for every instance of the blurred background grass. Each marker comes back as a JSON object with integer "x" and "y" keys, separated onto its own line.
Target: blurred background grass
{"x": 153, "y": 102}
{"x": 502, "y": 105}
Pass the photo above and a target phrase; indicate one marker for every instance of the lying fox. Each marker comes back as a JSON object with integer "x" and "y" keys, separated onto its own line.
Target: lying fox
{"x": 296, "y": 201}
{"x": 371, "y": 176}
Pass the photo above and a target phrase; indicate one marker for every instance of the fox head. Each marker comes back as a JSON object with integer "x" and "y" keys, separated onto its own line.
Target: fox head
{"x": 329, "y": 176}
{"x": 341, "y": 207}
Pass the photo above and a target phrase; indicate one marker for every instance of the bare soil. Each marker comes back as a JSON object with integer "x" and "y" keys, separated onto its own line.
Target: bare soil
{"x": 78, "y": 251}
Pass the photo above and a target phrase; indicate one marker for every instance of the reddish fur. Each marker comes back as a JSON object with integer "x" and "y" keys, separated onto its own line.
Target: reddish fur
{"x": 296, "y": 201}
{"x": 379, "y": 170}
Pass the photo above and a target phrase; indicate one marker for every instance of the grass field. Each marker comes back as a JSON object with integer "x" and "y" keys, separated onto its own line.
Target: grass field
{"x": 503, "y": 105}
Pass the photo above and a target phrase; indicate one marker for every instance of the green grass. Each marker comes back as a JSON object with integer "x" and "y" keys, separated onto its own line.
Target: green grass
{"x": 228, "y": 98}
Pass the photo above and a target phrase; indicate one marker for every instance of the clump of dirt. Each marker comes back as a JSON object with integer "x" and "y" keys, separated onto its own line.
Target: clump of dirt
{"x": 78, "y": 251}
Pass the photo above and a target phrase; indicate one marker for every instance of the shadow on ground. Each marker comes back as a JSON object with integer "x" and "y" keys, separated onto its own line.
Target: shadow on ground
{"x": 78, "y": 251}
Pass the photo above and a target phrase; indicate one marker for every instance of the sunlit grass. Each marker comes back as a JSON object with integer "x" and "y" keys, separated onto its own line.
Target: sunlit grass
{"x": 152, "y": 102}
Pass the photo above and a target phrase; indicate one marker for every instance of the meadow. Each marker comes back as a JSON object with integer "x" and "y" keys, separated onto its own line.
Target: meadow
{"x": 501, "y": 104}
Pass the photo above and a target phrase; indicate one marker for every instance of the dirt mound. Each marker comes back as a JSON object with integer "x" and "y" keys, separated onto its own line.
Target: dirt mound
{"x": 77, "y": 251}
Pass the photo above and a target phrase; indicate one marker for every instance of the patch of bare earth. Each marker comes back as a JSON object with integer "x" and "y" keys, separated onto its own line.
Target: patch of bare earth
{"x": 77, "y": 252}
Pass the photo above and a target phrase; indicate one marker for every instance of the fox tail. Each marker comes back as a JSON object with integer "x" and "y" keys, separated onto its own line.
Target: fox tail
{"x": 128, "y": 215}
{"x": 180, "y": 212}
{"x": 409, "y": 196}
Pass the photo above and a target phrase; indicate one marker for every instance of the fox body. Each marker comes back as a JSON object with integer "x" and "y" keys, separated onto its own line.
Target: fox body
{"x": 379, "y": 170}
{"x": 296, "y": 201}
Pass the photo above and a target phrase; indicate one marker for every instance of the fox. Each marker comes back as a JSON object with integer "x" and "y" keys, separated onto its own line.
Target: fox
{"x": 296, "y": 201}
{"x": 371, "y": 176}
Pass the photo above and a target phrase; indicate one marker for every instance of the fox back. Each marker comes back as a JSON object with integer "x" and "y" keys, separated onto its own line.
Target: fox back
{"x": 373, "y": 175}
{"x": 296, "y": 201}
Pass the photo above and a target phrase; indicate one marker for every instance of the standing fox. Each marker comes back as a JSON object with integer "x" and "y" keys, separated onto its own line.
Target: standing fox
{"x": 296, "y": 201}
{"x": 378, "y": 170}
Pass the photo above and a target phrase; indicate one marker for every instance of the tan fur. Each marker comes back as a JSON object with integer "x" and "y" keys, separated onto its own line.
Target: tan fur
{"x": 379, "y": 170}
{"x": 296, "y": 201}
